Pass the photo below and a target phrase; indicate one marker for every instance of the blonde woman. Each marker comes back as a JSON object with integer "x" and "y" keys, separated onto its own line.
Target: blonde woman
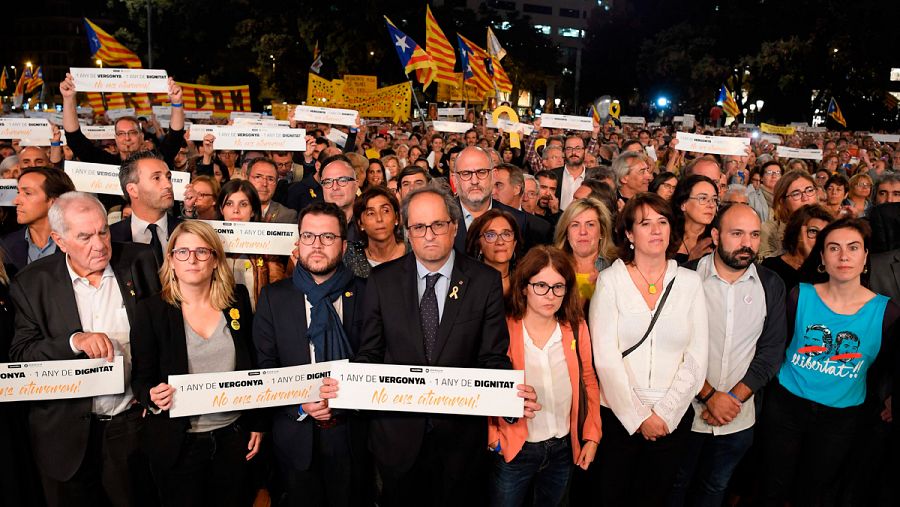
{"x": 584, "y": 231}
{"x": 200, "y": 323}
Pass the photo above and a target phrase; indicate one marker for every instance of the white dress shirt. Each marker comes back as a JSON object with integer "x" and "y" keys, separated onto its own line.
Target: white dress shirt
{"x": 547, "y": 371}
{"x": 665, "y": 373}
{"x": 140, "y": 233}
{"x": 569, "y": 185}
{"x": 468, "y": 217}
{"x": 102, "y": 310}
{"x": 736, "y": 314}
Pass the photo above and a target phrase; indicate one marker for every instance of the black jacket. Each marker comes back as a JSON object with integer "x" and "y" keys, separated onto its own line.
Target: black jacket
{"x": 534, "y": 230}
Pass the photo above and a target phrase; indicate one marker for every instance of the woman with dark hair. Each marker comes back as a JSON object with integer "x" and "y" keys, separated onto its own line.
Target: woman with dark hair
{"x": 239, "y": 202}
{"x": 836, "y": 189}
{"x": 664, "y": 184}
{"x": 549, "y": 340}
{"x": 799, "y": 238}
{"x": 793, "y": 190}
{"x": 694, "y": 204}
{"x": 814, "y": 409}
{"x": 375, "y": 174}
{"x": 494, "y": 238}
{"x": 649, "y": 331}
{"x": 377, "y": 214}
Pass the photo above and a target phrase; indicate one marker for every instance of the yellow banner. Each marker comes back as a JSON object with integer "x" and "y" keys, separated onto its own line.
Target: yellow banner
{"x": 775, "y": 129}
{"x": 360, "y": 85}
{"x": 454, "y": 92}
{"x": 387, "y": 102}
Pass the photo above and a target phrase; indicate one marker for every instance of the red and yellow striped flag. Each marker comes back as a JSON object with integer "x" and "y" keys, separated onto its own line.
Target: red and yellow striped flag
{"x": 437, "y": 45}
{"x": 37, "y": 80}
{"x": 480, "y": 76}
{"x": 105, "y": 47}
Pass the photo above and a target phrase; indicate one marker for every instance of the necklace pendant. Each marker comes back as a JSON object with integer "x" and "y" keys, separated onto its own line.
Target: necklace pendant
{"x": 651, "y": 288}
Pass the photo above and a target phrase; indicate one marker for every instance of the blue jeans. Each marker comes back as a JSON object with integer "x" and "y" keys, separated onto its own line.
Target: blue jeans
{"x": 547, "y": 465}
{"x": 707, "y": 466}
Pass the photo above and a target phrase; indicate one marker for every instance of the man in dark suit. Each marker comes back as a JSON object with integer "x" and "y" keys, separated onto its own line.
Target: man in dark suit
{"x": 413, "y": 317}
{"x": 312, "y": 317}
{"x": 38, "y": 188}
{"x": 885, "y": 274}
{"x": 474, "y": 184}
{"x": 147, "y": 184}
{"x": 263, "y": 175}
{"x": 308, "y": 190}
{"x": 75, "y": 306}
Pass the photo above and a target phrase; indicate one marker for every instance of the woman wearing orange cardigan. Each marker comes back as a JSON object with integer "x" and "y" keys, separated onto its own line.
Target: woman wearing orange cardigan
{"x": 542, "y": 309}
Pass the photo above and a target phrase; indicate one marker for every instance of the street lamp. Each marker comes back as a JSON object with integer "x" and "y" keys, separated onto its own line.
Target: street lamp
{"x": 542, "y": 102}
{"x": 99, "y": 63}
{"x": 759, "y": 104}
{"x": 28, "y": 64}
{"x": 557, "y": 101}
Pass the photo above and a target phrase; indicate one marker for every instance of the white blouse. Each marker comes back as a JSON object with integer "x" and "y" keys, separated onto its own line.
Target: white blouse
{"x": 547, "y": 371}
{"x": 665, "y": 373}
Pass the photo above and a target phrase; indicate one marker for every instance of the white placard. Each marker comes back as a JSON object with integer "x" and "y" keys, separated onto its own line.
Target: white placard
{"x": 115, "y": 114}
{"x": 771, "y": 138}
{"x": 568, "y": 122}
{"x": 209, "y": 393}
{"x": 886, "y": 138}
{"x": 162, "y": 110}
{"x": 813, "y": 130}
{"x": 98, "y": 132}
{"x": 799, "y": 124}
{"x": 37, "y": 114}
{"x": 8, "y": 191}
{"x": 197, "y": 114}
{"x": 197, "y": 132}
{"x": 808, "y": 154}
{"x": 34, "y": 129}
{"x": 262, "y": 122}
{"x": 457, "y": 127}
{"x": 179, "y": 182}
{"x": 428, "y": 389}
{"x": 56, "y": 119}
{"x": 260, "y": 138}
{"x": 747, "y": 126}
{"x": 57, "y": 380}
{"x": 451, "y": 111}
{"x": 244, "y": 114}
{"x": 84, "y": 110}
{"x": 89, "y": 79}
{"x": 256, "y": 237}
{"x": 337, "y": 137}
{"x": 94, "y": 178}
{"x": 717, "y": 145}
{"x": 330, "y": 115}
{"x": 689, "y": 121}
{"x": 637, "y": 120}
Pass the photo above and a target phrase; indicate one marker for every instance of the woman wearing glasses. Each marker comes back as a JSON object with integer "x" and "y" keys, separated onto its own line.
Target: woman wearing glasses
{"x": 799, "y": 238}
{"x": 549, "y": 340}
{"x": 650, "y": 352}
{"x": 239, "y": 202}
{"x": 664, "y": 185}
{"x": 793, "y": 190}
{"x": 859, "y": 199}
{"x": 206, "y": 190}
{"x": 695, "y": 203}
{"x": 494, "y": 238}
{"x": 200, "y": 323}
{"x": 584, "y": 231}
{"x": 770, "y": 172}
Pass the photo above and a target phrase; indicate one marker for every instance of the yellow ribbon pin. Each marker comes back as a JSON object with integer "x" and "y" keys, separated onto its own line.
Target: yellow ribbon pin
{"x": 247, "y": 265}
{"x": 234, "y": 313}
{"x": 259, "y": 262}
{"x": 454, "y": 293}
{"x": 348, "y": 294}
{"x": 573, "y": 344}
{"x": 312, "y": 193}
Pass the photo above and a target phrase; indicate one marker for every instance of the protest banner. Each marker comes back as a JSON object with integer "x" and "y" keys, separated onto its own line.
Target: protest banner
{"x": 886, "y": 138}
{"x": 775, "y": 129}
{"x": 457, "y": 127}
{"x": 116, "y": 80}
{"x": 256, "y": 237}
{"x": 808, "y": 154}
{"x": 716, "y": 145}
{"x": 209, "y": 393}
{"x": 238, "y": 138}
{"x": 8, "y": 191}
{"x": 56, "y": 380}
{"x": 428, "y": 389}
{"x": 94, "y": 178}
{"x": 36, "y": 130}
{"x": 359, "y": 85}
{"x": 446, "y": 112}
{"x": 330, "y": 115}
{"x": 568, "y": 122}
{"x": 386, "y": 102}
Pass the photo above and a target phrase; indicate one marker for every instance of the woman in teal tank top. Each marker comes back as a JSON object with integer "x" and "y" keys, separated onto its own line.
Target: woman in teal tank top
{"x": 814, "y": 408}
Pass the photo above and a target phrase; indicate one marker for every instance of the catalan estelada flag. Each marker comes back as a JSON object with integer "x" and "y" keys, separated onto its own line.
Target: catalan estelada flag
{"x": 3, "y": 78}
{"x": 728, "y": 103}
{"x": 110, "y": 51}
{"x": 412, "y": 56}
{"x": 36, "y": 81}
{"x": 834, "y": 111}
{"x": 19, "y": 94}
{"x": 440, "y": 50}
{"x": 480, "y": 75}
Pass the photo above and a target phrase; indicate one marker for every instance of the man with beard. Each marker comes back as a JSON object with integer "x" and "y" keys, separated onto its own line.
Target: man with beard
{"x": 147, "y": 185}
{"x": 572, "y": 174}
{"x": 315, "y": 316}
{"x": 747, "y": 333}
{"x": 547, "y": 202}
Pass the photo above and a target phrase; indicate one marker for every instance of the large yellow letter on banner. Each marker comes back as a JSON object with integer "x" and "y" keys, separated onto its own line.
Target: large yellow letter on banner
{"x": 513, "y": 117}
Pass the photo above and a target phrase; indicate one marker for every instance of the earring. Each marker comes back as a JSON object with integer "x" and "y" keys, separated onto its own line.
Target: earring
{"x": 865, "y": 269}
{"x": 820, "y": 268}
{"x": 631, "y": 246}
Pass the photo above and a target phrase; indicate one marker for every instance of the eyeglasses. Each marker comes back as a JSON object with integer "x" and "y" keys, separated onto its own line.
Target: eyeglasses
{"x": 200, "y": 253}
{"x": 506, "y": 235}
{"x": 542, "y": 288}
{"x": 863, "y": 185}
{"x": 438, "y": 228}
{"x": 772, "y": 173}
{"x": 667, "y": 186}
{"x": 467, "y": 175}
{"x": 205, "y": 194}
{"x": 797, "y": 194}
{"x": 326, "y": 238}
{"x": 704, "y": 200}
{"x": 812, "y": 232}
{"x": 284, "y": 165}
{"x": 343, "y": 181}
{"x": 570, "y": 149}
{"x": 127, "y": 133}
{"x": 531, "y": 194}
{"x": 263, "y": 178}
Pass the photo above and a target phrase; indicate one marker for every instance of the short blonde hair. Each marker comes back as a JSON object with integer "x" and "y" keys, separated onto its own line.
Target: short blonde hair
{"x": 606, "y": 248}
{"x": 222, "y": 284}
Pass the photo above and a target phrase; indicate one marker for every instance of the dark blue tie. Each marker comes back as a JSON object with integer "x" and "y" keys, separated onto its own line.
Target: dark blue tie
{"x": 428, "y": 313}
{"x": 155, "y": 243}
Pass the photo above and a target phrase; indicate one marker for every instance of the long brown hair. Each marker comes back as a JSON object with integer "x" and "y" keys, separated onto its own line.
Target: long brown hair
{"x": 538, "y": 257}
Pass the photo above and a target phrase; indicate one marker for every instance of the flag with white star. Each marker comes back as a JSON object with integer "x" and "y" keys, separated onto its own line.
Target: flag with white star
{"x": 412, "y": 56}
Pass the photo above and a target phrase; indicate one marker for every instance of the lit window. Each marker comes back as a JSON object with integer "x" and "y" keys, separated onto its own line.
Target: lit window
{"x": 544, "y": 29}
{"x": 571, "y": 32}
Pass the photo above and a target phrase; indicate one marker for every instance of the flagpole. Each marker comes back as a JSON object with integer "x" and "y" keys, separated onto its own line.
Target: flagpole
{"x": 412, "y": 91}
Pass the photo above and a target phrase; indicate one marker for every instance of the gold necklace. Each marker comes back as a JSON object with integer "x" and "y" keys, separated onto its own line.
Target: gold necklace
{"x": 651, "y": 287}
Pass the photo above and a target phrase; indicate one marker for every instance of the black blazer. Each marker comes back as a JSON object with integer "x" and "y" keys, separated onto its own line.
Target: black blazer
{"x": 472, "y": 334}
{"x": 16, "y": 248}
{"x": 301, "y": 194}
{"x": 46, "y": 316}
{"x": 535, "y": 230}
{"x": 885, "y": 221}
{"x": 159, "y": 349}
{"x": 885, "y": 275}
{"x": 121, "y": 230}
{"x": 279, "y": 332}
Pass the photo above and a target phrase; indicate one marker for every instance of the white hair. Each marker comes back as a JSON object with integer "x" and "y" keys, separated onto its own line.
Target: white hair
{"x": 57, "y": 214}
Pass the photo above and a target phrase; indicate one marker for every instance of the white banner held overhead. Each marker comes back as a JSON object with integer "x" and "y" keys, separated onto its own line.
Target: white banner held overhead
{"x": 8, "y": 191}
{"x": 428, "y": 389}
{"x": 337, "y": 137}
{"x": 57, "y": 380}
{"x": 886, "y": 138}
{"x": 807, "y": 154}
{"x": 451, "y": 111}
{"x": 209, "y": 393}
{"x": 197, "y": 114}
{"x": 256, "y": 237}
{"x": 331, "y": 115}
{"x": 99, "y": 132}
{"x": 114, "y": 80}
{"x": 458, "y": 127}
{"x": 568, "y": 122}
{"x": 259, "y": 138}
{"x": 94, "y": 178}
{"x": 115, "y": 114}
{"x": 716, "y": 145}
{"x": 635, "y": 120}
{"x": 245, "y": 114}
{"x": 197, "y": 132}
{"x": 36, "y": 130}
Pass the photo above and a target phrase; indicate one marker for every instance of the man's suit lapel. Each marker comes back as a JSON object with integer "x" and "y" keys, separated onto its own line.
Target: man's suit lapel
{"x": 179, "y": 340}
{"x": 64, "y": 300}
{"x": 895, "y": 269}
{"x": 459, "y": 243}
{"x": 299, "y": 326}
{"x": 410, "y": 291}
{"x": 122, "y": 267}
{"x": 456, "y": 292}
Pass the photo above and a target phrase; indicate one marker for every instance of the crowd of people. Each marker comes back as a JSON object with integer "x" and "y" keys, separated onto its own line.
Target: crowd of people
{"x": 694, "y": 329}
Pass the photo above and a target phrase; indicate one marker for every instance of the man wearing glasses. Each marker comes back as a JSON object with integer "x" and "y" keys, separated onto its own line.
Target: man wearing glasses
{"x": 339, "y": 186}
{"x": 263, "y": 175}
{"x": 571, "y": 175}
